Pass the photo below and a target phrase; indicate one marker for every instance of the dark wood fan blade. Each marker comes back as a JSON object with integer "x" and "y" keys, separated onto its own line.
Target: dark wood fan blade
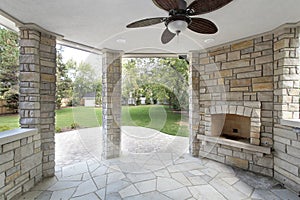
{"x": 205, "y": 6}
{"x": 146, "y": 22}
{"x": 203, "y": 26}
{"x": 167, "y": 36}
{"x": 166, "y": 4}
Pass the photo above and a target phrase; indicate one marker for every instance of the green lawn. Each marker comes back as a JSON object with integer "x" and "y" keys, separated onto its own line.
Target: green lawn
{"x": 9, "y": 122}
{"x": 85, "y": 117}
{"x": 156, "y": 117}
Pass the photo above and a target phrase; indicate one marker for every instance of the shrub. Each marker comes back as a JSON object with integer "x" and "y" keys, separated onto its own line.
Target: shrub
{"x": 58, "y": 130}
{"x": 73, "y": 102}
{"x": 4, "y": 128}
{"x": 138, "y": 101}
{"x": 74, "y": 125}
{"x": 58, "y": 103}
{"x": 148, "y": 101}
{"x": 12, "y": 99}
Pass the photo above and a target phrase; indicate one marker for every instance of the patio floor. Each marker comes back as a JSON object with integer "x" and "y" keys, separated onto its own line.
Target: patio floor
{"x": 152, "y": 166}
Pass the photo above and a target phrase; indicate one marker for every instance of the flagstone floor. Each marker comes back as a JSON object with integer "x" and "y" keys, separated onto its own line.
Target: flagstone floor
{"x": 153, "y": 166}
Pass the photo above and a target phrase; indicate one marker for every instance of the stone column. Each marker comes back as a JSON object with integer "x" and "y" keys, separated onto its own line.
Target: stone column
{"x": 286, "y": 74}
{"x": 37, "y": 90}
{"x": 111, "y": 103}
{"x": 194, "y": 108}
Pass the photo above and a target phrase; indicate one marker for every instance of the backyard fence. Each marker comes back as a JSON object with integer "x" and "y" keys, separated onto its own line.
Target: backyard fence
{"x": 4, "y": 109}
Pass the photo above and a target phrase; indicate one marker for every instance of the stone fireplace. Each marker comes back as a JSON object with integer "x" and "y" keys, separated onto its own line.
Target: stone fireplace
{"x": 244, "y": 104}
{"x": 239, "y": 123}
{"x": 236, "y": 104}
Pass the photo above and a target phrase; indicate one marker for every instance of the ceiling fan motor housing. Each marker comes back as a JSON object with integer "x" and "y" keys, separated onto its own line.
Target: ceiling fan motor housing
{"x": 177, "y": 22}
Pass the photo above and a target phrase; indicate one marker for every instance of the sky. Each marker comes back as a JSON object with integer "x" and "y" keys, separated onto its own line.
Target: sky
{"x": 82, "y": 56}
{"x": 77, "y": 55}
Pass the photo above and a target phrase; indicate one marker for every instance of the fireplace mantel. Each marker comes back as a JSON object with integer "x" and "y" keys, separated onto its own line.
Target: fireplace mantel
{"x": 236, "y": 144}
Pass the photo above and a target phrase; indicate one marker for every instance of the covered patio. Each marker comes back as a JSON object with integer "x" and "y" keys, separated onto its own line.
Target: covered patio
{"x": 248, "y": 70}
{"x": 153, "y": 166}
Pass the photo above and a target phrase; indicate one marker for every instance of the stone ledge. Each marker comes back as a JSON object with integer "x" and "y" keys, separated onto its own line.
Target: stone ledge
{"x": 16, "y": 134}
{"x": 237, "y": 144}
{"x": 290, "y": 122}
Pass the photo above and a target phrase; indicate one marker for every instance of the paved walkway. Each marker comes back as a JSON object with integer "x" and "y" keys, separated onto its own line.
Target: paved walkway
{"x": 153, "y": 166}
{"x": 85, "y": 144}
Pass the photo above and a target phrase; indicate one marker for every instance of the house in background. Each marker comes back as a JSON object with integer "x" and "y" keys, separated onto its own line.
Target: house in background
{"x": 89, "y": 99}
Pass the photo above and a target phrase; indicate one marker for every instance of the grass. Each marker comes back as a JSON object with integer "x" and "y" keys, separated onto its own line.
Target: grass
{"x": 156, "y": 117}
{"x": 8, "y": 122}
{"x": 85, "y": 117}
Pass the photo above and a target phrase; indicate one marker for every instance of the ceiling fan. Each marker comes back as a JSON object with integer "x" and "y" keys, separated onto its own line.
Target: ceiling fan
{"x": 180, "y": 18}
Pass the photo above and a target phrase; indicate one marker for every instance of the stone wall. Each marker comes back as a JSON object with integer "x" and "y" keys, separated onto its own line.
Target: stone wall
{"x": 286, "y": 74}
{"x": 21, "y": 161}
{"x": 287, "y": 155}
{"x": 252, "y": 159}
{"x": 259, "y": 74}
{"x": 111, "y": 103}
{"x": 286, "y": 107}
{"x": 37, "y": 90}
{"x": 194, "y": 119}
{"x": 238, "y": 79}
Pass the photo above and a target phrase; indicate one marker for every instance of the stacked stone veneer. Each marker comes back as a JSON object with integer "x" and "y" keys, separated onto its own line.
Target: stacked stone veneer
{"x": 286, "y": 106}
{"x": 258, "y": 78}
{"x": 111, "y": 103}
{"x": 286, "y": 74}
{"x": 37, "y": 90}
{"x": 194, "y": 118}
{"x": 287, "y": 155}
{"x": 21, "y": 162}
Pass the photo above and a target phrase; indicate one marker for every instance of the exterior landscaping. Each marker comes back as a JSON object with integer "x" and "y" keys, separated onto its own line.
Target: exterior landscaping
{"x": 157, "y": 117}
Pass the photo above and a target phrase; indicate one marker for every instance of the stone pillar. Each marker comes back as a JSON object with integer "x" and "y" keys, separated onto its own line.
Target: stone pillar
{"x": 37, "y": 91}
{"x": 111, "y": 103}
{"x": 194, "y": 108}
{"x": 286, "y": 74}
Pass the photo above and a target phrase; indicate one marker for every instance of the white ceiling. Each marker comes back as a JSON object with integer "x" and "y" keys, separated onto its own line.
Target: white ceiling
{"x": 102, "y": 23}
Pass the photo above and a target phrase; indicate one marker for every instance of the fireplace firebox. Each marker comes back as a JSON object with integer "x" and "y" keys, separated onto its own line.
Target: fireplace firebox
{"x": 235, "y": 122}
{"x": 231, "y": 126}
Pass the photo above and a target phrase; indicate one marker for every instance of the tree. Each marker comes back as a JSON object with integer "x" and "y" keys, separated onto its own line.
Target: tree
{"x": 9, "y": 67}
{"x": 162, "y": 79}
{"x": 99, "y": 92}
{"x": 130, "y": 79}
{"x": 64, "y": 83}
{"x": 85, "y": 81}
{"x": 175, "y": 71}
{"x": 75, "y": 80}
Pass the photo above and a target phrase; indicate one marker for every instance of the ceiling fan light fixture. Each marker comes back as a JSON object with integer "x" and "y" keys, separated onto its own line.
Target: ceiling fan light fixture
{"x": 177, "y": 26}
